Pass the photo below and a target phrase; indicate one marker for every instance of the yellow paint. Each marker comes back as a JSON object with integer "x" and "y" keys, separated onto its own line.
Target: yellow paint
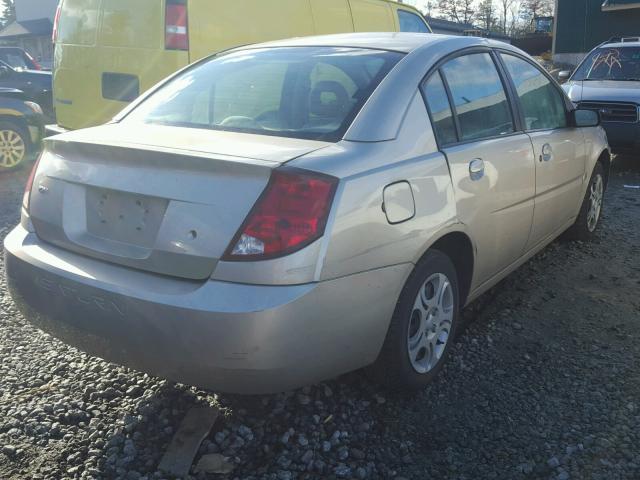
{"x": 121, "y": 36}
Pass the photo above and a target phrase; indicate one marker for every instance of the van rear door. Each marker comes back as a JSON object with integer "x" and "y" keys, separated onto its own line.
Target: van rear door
{"x": 372, "y": 16}
{"x": 242, "y": 22}
{"x": 331, "y": 16}
{"x": 108, "y": 52}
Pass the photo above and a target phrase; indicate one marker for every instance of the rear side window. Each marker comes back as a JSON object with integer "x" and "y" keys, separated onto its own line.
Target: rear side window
{"x": 478, "y": 96}
{"x": 410, "y": 22}
{"x": 14, "y": 59}
{"x": 439, "y": 110}
{"x": 541, "y": 102}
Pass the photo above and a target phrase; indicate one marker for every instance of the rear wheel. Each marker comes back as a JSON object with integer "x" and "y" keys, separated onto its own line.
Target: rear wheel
{"x": 591, "y": 209}
{"x": 14, "y": 145}
{"x": 423, "y": 326}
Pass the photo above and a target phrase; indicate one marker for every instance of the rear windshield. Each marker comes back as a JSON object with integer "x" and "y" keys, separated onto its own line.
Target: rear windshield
{"x": 610, "y": 64}
{"x": 301, "y": 92}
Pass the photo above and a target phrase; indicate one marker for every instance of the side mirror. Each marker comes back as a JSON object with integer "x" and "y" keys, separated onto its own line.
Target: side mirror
{"x": 4, "y": 71}
{"x": 585, "y": 118}
{"x": 564, "y": 74}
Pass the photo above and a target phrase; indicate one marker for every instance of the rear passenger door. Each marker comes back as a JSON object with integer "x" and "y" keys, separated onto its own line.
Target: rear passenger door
{"x": 372, "y": 16}
{"x": 490, "y": 158}
{"x": 559, "y": 148}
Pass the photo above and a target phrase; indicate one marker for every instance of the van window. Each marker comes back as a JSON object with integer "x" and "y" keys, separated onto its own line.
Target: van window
{"x": 478, "y": 96}
{"x": 440, "y": 110}
{"x": 301, "y": 92}
{"x": 542, "y": 104}
{"x": 410, "y": 22}
{"x": 79, "y": 22}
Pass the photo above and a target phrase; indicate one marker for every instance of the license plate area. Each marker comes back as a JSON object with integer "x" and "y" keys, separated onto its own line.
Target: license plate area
{"x": 124, "y": 217}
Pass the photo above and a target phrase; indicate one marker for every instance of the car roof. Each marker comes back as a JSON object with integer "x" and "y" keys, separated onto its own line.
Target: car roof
{"x": 396, "y": 41}
{"x": 621, "y": 42}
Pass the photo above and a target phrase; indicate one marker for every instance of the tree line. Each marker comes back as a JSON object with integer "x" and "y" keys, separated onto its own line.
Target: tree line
{"x": 511, "y": 17}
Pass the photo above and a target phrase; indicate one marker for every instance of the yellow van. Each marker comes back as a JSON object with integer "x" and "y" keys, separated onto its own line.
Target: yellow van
{"x": 107, "y": 52}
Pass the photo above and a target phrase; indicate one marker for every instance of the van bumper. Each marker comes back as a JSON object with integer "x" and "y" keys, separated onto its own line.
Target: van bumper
{"x": 227, "y": 337}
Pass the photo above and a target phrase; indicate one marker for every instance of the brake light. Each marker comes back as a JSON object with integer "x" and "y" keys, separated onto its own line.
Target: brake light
{"x": 290, "y": 214}
{"x": 27, "y": 188}
{"x": 56, "y": 22}
{"x": 176, "y": 27}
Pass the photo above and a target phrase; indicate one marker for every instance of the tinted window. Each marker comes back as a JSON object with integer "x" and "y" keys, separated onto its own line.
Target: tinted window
{"x": 410, "y": 22}
{"x": 303, "y": 92}
{"x": 15, "y": 59}
{"x": 440, "y": 110}
{"x": 479, "y": 97}
{"x": 542, "y": 103}
{"x": 621, "y": 63}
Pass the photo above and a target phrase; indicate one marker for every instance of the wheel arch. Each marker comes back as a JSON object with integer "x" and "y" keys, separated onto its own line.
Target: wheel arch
{"x": 605, "y": 159}
{"x": 459, "y": 247}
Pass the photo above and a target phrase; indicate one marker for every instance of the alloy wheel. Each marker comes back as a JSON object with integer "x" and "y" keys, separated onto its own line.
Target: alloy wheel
{"x": 596, "y": 194}
{"x": 12, "y": 148}
{"x": 431, "y": 322}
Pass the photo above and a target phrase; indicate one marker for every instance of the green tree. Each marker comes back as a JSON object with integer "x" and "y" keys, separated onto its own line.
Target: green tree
{"x": 487, "y": 15}
{"x": 461, "y": 11}
{"x": 8, "y": 15}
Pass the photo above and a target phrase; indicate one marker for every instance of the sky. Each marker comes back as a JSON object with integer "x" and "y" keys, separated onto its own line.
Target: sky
{"x": 422, "y": 4}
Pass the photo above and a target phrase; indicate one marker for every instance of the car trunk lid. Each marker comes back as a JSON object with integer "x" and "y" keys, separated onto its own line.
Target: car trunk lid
{"x": 163, "y": 199}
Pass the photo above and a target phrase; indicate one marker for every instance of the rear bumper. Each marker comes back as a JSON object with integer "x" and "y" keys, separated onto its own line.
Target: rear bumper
{"x": 221, "y": 336}
{"x": 623, "y": 137}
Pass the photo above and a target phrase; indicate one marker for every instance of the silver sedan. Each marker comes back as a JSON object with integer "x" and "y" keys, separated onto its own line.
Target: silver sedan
{"x": 283, "y": 213}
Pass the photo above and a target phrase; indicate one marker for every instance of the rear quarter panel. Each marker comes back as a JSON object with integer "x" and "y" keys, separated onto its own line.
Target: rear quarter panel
{"x": 359, "y": 237}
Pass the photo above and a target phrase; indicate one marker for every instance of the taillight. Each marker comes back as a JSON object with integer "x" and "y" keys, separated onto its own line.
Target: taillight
{"x": 27, "y": 188}
{"x": 176, "y": 27}
{"x": 56, "y": 22}
{"x": 290, "y": 214}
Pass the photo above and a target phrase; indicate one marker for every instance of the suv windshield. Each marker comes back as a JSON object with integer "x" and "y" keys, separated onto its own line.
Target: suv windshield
{"x": 622, "y": 63}
{"x": 301, "y": 92}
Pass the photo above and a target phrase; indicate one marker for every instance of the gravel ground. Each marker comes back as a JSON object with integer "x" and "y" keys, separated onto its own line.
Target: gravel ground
{"x": 544, "y": 383}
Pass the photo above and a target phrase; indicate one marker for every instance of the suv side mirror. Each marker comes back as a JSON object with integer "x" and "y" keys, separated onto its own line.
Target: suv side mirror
{"x": 4, "y": 71}
{"x": 585, "y": 118}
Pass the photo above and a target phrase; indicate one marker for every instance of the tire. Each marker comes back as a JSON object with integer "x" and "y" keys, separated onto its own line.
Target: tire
{"x": 591, "y": 209}
{"x": 413, "y": 327}
{"x": 15, "y": 145}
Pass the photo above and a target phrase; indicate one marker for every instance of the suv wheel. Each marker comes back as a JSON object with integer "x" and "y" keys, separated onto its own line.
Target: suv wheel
{"x": 14, "y": 145}
{"x": 423, "y": 326}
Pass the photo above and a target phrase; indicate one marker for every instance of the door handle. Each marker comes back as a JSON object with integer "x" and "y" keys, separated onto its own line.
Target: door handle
{"x": 547, "y": 153}
{"x": 476, "y": 169}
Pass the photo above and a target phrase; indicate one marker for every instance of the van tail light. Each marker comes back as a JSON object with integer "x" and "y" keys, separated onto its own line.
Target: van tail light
{"x": 290, "y": 214}
{"x": 27, "y": 188}
{"x": 56, "y": 23}
{"x": 176, "y": 26}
